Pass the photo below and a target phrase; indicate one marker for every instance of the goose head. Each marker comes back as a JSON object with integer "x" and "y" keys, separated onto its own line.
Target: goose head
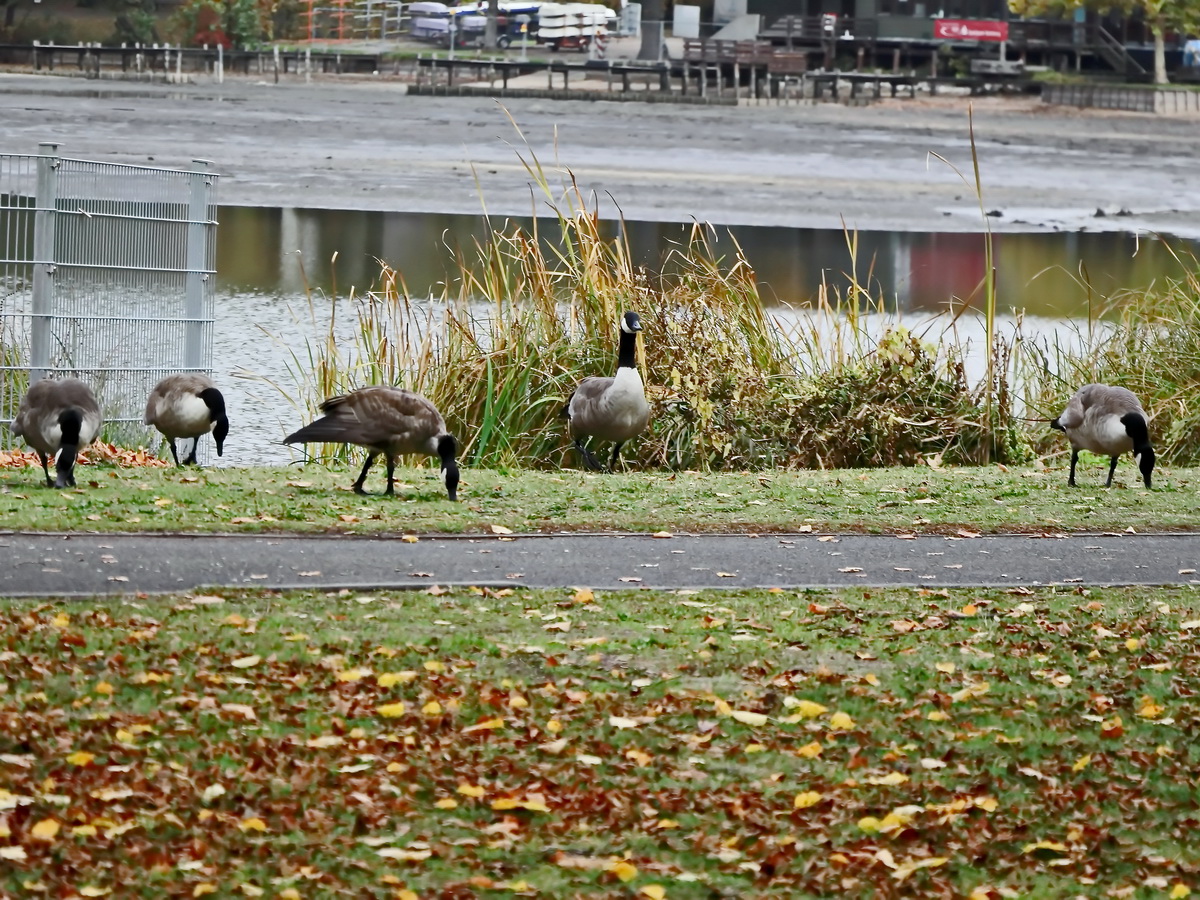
{"x": 1145, "y": 460}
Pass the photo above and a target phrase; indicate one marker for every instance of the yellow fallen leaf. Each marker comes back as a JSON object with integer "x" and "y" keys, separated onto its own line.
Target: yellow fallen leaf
{"x": 903, "y": 870}
{"x": 245, "y": 662}
{"x": 391, "y": 679}
{"x": 806, "y": 799}
{"x": 1148, "y": 709}
{"x": 432, "y": 708}
{"x": 103, "y": 687}
{"x": 970, "y": 691}
{"x": 749, "y": 718}
{"x": 254, "y": 823}
{"x": 289, "y": 894}
{"x": 325, "y": 740}
{"x": 203, "y": 888}
{"x": 869, "y": 824}
{"x": 1179, "y": 891}
{"x": 447, "y": 803}
{"x": 406, "y": 894}
{"x": 1081, "y": 763}
{"x": 500, "y": 529}
{"x": 516, "y": 701}
{"x": 841, "y": 721}
{"x": 810, "y": 750}
{"x": 91, "y": 890}
{"x": 434, "y": 665}
{"x": 84, "y": 831}
{"x": 722, "y": 708}
{"x": 1132, "y": 644}
{"x": 233, "y": 619}
{"x": 584, "y": 595}
{"x": 251, "y": 890}
{"x": 889, "y": 778}
{"x": 62, "y": 620}
{"x": 654, "y": 891}
{"x": 987, "y": 804}
{"x": 513, "y": 803}
{"x": 554, "y": 726}
{"x": 409, "y": 538}
{"x": 353, "y": 674}
{"x": 1050, "y": 846}
{"x": 80, "y": 758}
{"x": 937, "y": 716}
{"x": 626, "y": 871}
{"x": 805, "y": 709}
{"x": 391, "y": 710}
{"x": 45, "y": 830}
{"x": 486, "y": 725}
{"x": 470, "y": 790}
{"x": 947, "y": 667}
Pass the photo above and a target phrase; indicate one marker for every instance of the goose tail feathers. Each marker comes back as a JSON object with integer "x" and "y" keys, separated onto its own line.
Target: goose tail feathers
{"x": 325, "y": 430}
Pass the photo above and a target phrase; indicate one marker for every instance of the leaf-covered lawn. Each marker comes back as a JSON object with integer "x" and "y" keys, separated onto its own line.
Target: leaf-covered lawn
{"x": 627, "y": 744}
{"x": 316, "y": 499}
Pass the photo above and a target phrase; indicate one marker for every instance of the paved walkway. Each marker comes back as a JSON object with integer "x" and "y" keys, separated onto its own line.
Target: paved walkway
{"x": 83, "y": 565}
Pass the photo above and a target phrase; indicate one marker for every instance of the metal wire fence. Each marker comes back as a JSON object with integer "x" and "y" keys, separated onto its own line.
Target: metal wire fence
{"x": 106, "y": 274}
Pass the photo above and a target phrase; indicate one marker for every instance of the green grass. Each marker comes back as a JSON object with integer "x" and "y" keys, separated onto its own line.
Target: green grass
{"x": 555, "y": 743}
{"x": 318, "y": 499}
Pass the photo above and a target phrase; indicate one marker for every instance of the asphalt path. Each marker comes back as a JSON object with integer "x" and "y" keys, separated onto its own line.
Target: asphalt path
{"x": 91, "y": 564}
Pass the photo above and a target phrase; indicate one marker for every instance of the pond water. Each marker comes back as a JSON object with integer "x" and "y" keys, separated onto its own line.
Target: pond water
{"x": 277, "y": 272}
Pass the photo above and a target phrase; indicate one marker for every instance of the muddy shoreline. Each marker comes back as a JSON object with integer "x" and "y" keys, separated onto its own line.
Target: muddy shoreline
{"x": 365, "y": 144}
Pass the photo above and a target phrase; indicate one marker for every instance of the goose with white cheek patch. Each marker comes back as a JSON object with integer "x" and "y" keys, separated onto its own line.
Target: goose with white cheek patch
{"x": 389, "y": 421}
{"x": 188, "y": 406}
{"x": 58, "y": 416}
{"x": 1110, "y": 421}
{"x": 611, "y": 408}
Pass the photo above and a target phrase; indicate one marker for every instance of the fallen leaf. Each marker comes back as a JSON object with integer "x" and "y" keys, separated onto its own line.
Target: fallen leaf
{"x": 749, "y": 718}
{"x": 45, "y": 830}
{"x": 625, "y": 871}
{"x": 806, "y": 799}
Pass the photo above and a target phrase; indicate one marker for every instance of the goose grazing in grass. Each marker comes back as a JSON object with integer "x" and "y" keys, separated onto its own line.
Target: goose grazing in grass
{"x": 387, "y": 420}
{"x": 188, "y": 406}
{"x": 611, "y": 408}
{"x": 58, "y": 416}
{"x": 1110, "y": 421}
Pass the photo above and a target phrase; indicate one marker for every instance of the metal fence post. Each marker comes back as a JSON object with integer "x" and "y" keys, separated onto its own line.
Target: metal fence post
{"x": 197, "y": 265}
{"x": 44, "y": 265}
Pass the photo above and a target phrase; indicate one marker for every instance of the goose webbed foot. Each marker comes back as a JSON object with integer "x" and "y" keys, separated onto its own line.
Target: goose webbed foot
{"x": 589, "y": 460}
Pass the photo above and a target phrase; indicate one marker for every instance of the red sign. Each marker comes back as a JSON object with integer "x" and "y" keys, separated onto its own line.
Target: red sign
{"x": 970, "y": 30}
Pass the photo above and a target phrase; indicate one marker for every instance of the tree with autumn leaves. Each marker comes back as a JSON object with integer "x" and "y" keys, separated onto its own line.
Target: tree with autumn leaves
{"x": 1160, "y": 16}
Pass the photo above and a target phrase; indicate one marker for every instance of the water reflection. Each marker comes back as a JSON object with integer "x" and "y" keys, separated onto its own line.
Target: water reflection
{"x": 1044, "y": 274}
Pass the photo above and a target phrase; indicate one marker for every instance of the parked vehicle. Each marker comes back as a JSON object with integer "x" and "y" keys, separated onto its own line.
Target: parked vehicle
{"x": 574, "y": 26}
{"x": 511, "y": 16}
{"x": 439, "y": 23}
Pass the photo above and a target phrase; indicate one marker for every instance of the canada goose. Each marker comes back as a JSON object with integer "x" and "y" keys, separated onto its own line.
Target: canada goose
{"x": 387, "y": 420}
{"x": 58, "y": 415}
{"x": 187, "y": 406}
{"x": 1109, "y": 421}
{"x": 611, "y": 408}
